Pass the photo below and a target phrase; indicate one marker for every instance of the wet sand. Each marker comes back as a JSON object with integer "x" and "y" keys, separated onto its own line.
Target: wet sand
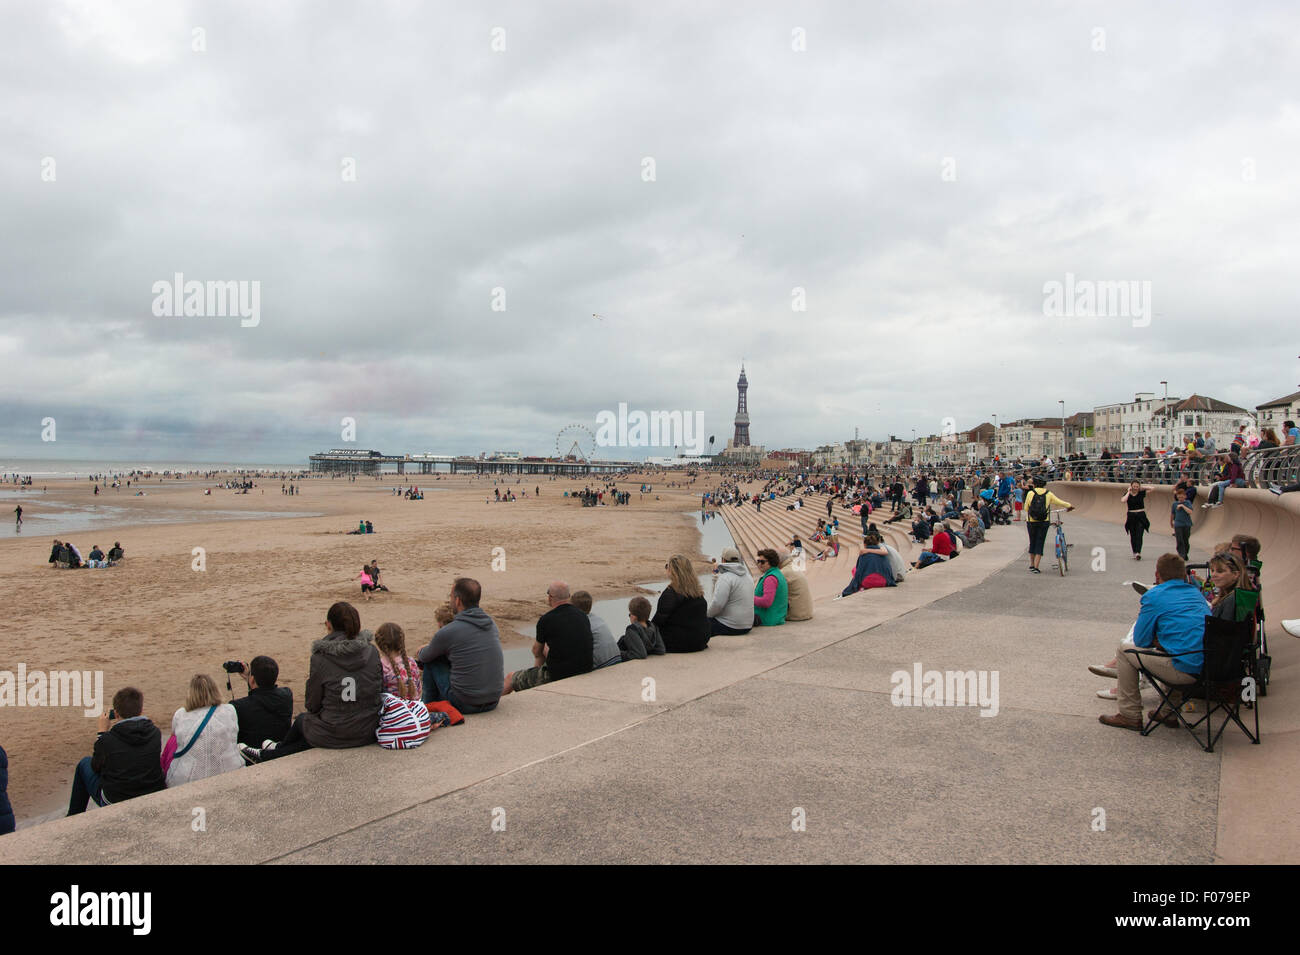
{"x": 154, "y": 621}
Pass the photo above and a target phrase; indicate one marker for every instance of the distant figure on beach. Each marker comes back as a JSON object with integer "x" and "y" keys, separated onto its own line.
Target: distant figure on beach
{"x": 562, "y": 647}
{"x": 96, "y": 558}
{"x": 18, "y": 516}
{"x": 463, "y": 663}
{"x": 367, "y": 583}
{"x": 206, "y": 731}
{"x": 56, "y": 553}
{"x": 682, "y": 614}
{"x": 115, "y": 553}
{"x": 344, "y": 685}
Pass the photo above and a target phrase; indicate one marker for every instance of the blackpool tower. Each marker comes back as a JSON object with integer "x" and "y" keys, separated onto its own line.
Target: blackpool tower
{"x": 741, "y": 440}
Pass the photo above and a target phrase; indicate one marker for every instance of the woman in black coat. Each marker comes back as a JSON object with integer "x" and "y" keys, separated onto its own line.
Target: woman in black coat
{"x": 683, "y": 614}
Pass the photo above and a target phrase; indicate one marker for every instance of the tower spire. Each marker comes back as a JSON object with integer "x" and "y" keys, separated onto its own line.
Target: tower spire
{"x": 741, "y": 438}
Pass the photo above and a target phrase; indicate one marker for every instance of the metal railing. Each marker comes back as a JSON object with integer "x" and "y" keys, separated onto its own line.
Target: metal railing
{"x": 1262, "y": 468}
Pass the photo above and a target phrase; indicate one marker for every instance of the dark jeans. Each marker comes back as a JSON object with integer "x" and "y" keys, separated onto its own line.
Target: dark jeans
{"x": 85, "y": 787}
{"x": 437, "y": 689}
{"x": 716, "y": 627}
{"x": 293, "y": 742}
{"x": 1183, "y": 541}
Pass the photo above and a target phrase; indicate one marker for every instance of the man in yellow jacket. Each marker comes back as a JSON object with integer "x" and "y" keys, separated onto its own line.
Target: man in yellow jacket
{"x": 1038, "y": 515}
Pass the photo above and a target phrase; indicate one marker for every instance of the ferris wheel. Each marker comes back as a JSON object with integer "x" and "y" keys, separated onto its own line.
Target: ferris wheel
{"x": 576, "y": 440}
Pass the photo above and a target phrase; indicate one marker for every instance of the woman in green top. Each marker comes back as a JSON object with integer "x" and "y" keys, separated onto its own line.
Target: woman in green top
{"x": 771, "y": 593}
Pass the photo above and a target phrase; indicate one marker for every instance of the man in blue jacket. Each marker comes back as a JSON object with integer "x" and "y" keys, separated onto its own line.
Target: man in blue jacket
{"x": 1173, "y": 618}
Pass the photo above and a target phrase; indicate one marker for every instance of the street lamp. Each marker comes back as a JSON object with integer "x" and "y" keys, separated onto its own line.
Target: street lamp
{"x": 1061, "y": 402}
{"x": 1164, "y": 419}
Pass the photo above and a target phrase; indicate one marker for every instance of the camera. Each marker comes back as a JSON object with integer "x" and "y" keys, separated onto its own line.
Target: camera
{"x": 233, "y": 666}
{"x": 112, "y": 714}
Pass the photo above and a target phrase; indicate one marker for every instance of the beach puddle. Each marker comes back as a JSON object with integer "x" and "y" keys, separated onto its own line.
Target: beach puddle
{"x": 61, "y": 517}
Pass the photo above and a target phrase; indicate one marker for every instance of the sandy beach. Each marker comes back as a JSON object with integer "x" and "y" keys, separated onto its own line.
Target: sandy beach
{"x": 154, "y": 621}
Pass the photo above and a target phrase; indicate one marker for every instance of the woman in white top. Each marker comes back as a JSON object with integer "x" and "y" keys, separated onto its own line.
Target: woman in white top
{"x": 214, "y": 750}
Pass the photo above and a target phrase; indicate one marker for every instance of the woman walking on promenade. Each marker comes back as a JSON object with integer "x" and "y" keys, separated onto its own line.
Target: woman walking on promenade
{"x": 1039, "y": 503}
{"x": 1136, "y": 523}
{"x": 682, "y": 615}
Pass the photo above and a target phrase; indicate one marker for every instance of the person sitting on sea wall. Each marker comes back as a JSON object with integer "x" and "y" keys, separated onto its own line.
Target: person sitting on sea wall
{"x": 562, "y": 647}
{"x": 206, "y": 731}
{"x": 344, "y": 684}
{"x": 641, "y": 638}
{"x": 127, "y": 757}
{"x": 771, "y": 593}
{"x": 682, "y": 612}
{"x": 604, "y": 648}
{"x": 941, "y": 548}
{"x": 730, "y": 609}
{"x": 267, "y": 711}
{"x": 799, "y": 596}
{"x": 7, "y": 823}
{"x": 463, "y": 663}
{"x": 920, "y": 529}
{"x": 401, "y": 674}
{"x": 873, "y": 568}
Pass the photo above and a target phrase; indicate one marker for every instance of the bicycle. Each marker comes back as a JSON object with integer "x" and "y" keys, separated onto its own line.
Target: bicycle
{"x": 1062, "y": 548}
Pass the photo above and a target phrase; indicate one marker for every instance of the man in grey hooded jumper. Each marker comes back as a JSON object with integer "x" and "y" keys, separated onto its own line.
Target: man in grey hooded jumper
{"x": 463, "y": 664}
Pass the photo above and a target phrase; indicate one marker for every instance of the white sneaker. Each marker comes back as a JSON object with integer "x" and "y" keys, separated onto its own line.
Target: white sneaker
{"x": 1111, "y": 694}
{"x": 1292, "y": 627}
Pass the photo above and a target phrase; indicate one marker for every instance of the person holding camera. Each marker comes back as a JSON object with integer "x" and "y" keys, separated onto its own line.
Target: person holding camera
{"x": 127, "y": 756}
{"x": 267, "y": 711}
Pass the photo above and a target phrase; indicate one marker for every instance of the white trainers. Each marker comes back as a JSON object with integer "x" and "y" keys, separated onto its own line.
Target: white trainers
{"x": 1100, "y": 670}
{"x": 1292, "y": 627}
{"x": 1111, "y": 694}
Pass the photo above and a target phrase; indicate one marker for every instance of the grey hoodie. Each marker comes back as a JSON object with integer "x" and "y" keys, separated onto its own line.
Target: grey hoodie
{"x": 733, "y": 596}
{"x": 471, "y": 646}
{"x": 641, "y": 640}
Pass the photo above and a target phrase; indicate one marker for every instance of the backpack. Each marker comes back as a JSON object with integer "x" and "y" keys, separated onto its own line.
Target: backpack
{"x": 1038, "y": 505}
{"x": 405, "y": 724}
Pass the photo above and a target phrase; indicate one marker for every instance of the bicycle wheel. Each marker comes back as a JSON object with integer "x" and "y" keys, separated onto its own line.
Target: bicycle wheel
{"x": 1062, "y": 552}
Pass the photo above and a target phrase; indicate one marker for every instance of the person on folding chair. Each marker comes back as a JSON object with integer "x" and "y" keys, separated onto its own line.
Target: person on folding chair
{"x": 1172, "y": 618}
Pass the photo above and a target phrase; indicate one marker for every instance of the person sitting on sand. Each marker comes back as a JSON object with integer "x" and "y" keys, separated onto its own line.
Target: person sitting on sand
{"x": 367, "y": 583}
{"x": 96, "y": 558}
{"x": 345, "y": 682}
{"x": 604, "y": 648}
{"x": 463, "y": 663}
{"x": 682, "y": 612}
{"x": 641, "y": 638}
{"x": 562, "y": 647}
{"x": 74, "y": 556}
{"x": 115, "y": 553}
{"x": 206, "y": 731}
{"x": 56, "y": 553}
{"x": 402, "y": 676}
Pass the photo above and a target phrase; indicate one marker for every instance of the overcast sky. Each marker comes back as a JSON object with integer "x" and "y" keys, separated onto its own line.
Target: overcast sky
{"x": 919, "y": 170}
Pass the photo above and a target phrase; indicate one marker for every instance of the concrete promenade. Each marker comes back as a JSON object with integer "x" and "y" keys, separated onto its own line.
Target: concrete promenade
{"x": 740, "y": 738}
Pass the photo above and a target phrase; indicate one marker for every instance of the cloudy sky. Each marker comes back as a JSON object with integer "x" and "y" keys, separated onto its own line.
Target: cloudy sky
{"x": 911, "y": 174}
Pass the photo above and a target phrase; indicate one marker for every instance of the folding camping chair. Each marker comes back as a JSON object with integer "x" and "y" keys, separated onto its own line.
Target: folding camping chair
{"x": 1229, "y": 680}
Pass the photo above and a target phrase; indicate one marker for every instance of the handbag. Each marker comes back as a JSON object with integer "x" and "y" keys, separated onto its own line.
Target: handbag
{"x": 170, "y": 753}
{"x": 405, "y": 724}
